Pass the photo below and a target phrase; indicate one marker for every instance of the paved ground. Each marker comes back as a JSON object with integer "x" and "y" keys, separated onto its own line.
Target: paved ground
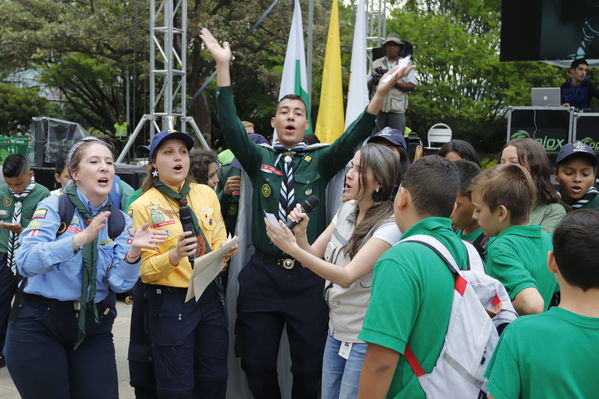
{"x": 121, "y": 343}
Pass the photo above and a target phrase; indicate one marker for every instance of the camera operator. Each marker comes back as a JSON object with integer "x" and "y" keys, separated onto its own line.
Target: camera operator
{"x": 396, "y": 102}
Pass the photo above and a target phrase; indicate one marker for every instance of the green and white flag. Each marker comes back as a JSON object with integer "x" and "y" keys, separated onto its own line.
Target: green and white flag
{"x": 294, "y": 79}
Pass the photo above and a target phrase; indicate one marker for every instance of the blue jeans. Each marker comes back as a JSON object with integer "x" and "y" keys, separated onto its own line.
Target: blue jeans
{"x": 341, "y": 377}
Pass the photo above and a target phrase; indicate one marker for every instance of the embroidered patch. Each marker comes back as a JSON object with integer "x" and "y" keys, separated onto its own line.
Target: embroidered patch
{"x": 34, "y": 224}
{"x": 308, "y": 191}
{"x": 3, "y": 212}
{"x": 270, "y": 169}
{"x": 160, "y": 224}
{"x": 307, "y": 158}
{"x": 232, "y": 210}
{"x": 33, "y": 233}
{"x": 104, "y": 242}
{"x": 74, "y": 229}
{"x": 156, "y": 216}
{"x": 131, "y": 231}
{"x": 39, "y": 214}
{"x": 6, "y": 201}
{"x": 266, "y": 190}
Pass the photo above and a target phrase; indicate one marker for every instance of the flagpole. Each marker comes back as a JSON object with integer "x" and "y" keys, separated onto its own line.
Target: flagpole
{"x": 309, "y": 49}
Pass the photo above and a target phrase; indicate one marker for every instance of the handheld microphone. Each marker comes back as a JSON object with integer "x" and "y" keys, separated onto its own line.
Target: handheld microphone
{"x": 187, "y": 223}
{"x": 307, "y": 206}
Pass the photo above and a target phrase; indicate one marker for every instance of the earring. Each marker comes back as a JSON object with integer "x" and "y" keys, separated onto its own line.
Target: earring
{"x": 155, "y": 173}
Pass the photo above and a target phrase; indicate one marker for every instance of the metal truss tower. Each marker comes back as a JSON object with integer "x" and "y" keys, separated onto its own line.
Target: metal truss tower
{"x": 376, "y": 11}
{"x": 168, "y": 71}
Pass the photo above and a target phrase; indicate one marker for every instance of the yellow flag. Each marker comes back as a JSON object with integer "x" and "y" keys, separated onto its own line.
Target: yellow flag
{"x": 330, "y": 114}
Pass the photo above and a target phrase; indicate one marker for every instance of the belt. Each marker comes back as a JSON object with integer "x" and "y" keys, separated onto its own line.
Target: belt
{"x": 286, "y": 263}
{"x": 74, "y": 306}
{"x": 165, "y": 289}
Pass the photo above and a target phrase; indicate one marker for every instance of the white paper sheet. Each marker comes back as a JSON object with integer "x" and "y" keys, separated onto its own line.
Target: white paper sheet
{"x": 206, "y": 268}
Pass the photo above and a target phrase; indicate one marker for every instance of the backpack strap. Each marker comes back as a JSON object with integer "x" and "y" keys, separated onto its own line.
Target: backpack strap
{"x": 66, "y": 210}
{"x": 437, "y": 247}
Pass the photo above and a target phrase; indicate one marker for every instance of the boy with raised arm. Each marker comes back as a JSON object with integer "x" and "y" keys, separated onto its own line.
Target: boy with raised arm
{"x": 274, "y": 290}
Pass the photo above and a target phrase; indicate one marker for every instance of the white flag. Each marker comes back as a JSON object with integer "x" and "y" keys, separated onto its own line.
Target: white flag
{"x": 357, "y": 97}
{"x": 294, "y": 79}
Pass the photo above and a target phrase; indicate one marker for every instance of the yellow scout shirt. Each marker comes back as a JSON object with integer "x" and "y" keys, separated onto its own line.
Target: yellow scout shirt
{"x": 162, "y": 213}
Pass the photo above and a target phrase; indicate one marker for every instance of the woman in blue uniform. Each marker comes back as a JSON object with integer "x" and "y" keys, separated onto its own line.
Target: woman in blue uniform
{"x": 60, "y": 344}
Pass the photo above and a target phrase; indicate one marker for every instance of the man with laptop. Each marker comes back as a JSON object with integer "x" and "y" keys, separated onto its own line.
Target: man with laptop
{"x": 578, "y": 89}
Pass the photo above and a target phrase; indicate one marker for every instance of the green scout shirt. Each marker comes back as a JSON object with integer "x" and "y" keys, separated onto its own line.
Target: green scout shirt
{"x": 593, "y": 204}
{"x": 548, "y": 355}
{"x": 547, "y": 216}
{"x": 410, "y": 304}
{"x": 518, "y": 258}
{"x": 229, "y": 204}
{"x": 7, "y": 207}
{"x": 312, "y": 169}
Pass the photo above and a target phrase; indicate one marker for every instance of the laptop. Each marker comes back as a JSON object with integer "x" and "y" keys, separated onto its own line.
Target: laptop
{"x": 545, "y": 96}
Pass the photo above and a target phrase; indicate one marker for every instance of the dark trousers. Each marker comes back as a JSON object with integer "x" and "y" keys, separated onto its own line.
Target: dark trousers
{"x": 189, "y": 343}
{"x": 395, "y": 120}
{"x": 41, "y": 360}
{"x": 271, "y": 298}
{"x": 8, "y": 286}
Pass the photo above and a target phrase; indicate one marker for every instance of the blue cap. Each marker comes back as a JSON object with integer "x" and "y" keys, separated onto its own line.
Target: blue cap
{"x": 393, "y": 136}
{"x": 576, "y": 148}
{"x": 164, "y": 135}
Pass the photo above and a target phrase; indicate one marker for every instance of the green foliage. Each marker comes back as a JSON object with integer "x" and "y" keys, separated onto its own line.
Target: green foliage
{"x": 18, "y": 106}
{"x": 461, "y": 80}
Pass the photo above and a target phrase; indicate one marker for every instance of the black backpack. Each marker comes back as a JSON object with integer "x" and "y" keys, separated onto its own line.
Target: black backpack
{"x": 66, "y": 210}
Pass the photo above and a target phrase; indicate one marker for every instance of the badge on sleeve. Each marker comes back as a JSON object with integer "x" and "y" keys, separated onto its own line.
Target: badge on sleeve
{"x": 307, "y": 158}
{"x": 39, "y": 214}
{"x": 34, "y": 224}
{"x": 33, "y": 233}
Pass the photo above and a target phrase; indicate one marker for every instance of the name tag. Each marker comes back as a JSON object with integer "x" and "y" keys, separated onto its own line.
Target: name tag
{"x": 270, "y": 169}
{"x": 345, "y": 350}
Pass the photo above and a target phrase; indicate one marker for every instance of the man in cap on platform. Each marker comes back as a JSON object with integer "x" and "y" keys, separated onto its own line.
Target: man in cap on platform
{"x": 396, "y": 102}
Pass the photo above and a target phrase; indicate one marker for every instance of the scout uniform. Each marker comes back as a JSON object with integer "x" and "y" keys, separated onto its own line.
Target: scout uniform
{"x": 410, "y": 302}
{"x": 274, "y": 291}
{"x": 547, "y": 355}
{"x": 229, "y": 204}
{"x": 39, "y": 349}
{"x": 8, "y": 279}
{"x": 181, "y": 332}
{"x": 517, "y": 257}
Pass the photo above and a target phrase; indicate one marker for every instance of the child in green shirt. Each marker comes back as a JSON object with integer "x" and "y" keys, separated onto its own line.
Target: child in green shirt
{"x": 503, "y": 197}
{"x": 553, "y": 355}
{"x": 412, "y": 287}
{"x": 575, "y": 172}
{"x": 466, "y": 226}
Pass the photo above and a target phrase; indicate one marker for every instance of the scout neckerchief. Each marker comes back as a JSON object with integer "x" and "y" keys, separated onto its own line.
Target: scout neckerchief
{"x": 89, "y": 270}
{"x": 588, "y": 197}
{"x": 287, "y": 196}
{"x": 180, "y": 198}
{"x": 13, "y": 238}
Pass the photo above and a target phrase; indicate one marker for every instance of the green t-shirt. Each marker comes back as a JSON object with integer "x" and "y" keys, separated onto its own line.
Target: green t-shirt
{"x": 312, "y": 169}
{"x": 7, "y": 207}
{"x": 518, "y": 258}
{"x": 410, "y": 304}
{"x": 549, "y": 355}
{"x": 470, "y": 237}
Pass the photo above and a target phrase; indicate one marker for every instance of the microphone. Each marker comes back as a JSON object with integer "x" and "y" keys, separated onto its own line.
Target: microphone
{"x": 307, "y": 206}
{"x": 187, "y": 223}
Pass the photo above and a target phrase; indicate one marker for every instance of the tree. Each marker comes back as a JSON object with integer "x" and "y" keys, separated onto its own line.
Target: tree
{"x": 461, "y": 80}
{"x": 18, "y": 106}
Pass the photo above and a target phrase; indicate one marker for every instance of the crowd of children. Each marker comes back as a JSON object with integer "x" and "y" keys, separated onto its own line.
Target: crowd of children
{"x": 389, "y": 295}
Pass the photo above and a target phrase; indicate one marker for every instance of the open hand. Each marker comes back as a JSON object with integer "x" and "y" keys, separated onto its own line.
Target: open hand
{"x": 283, "y": 239}
{"x": 91, "y": 231}
{"x": 221, "y": 54}
{"x": 145, "y": 237}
